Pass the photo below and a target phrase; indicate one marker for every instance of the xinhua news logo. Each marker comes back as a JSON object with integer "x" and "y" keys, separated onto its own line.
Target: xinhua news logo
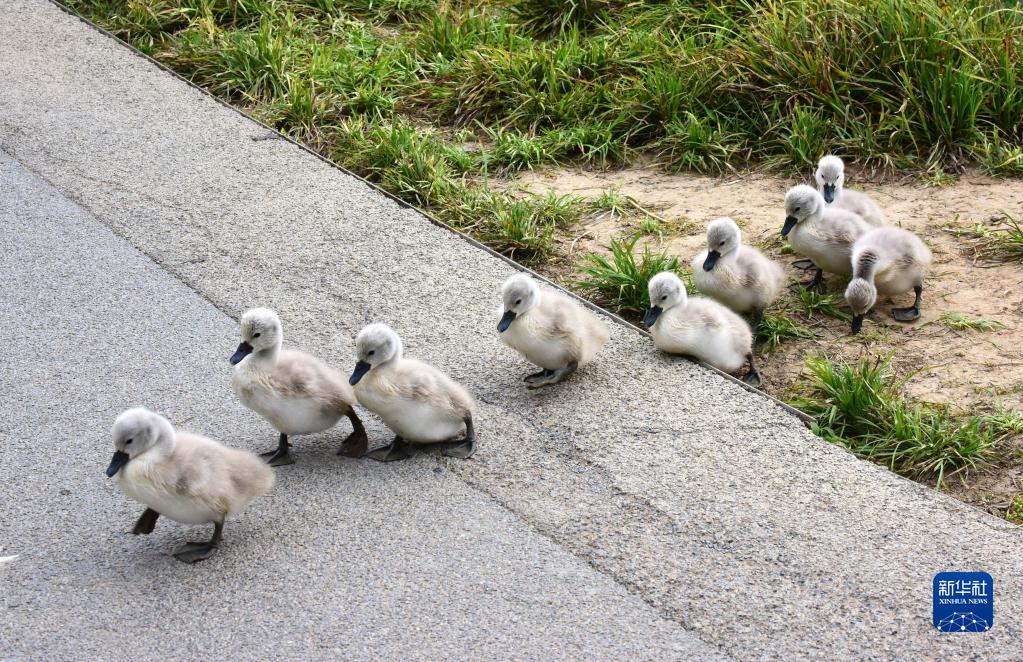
{"x": 964, "y": 601}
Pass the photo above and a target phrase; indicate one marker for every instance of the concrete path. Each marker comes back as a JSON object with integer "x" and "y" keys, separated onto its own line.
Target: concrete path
{"x": 718, "y": 509}
{"x": 341, "y": 560}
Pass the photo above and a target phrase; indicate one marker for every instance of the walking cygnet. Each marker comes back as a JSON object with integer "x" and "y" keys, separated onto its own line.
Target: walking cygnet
{"x": 549, "y": 329}
{"x": 739, "y": 276}
{"x": 186, "y": 477}
{"x": 891, "y": 261}
{"x": 823, "y": 234}
{"x": 830, "y": 183}
{"x": 297, "y": 393}
{"x": 699, "y": 327}
{"x": 417, "y": 401}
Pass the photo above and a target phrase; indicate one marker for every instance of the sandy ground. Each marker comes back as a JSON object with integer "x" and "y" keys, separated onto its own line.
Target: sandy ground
{"x": 971, "y": 370}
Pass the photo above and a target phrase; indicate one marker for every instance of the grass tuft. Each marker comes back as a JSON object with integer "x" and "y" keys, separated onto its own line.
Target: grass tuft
{"x": 812, "y": 303}
{"x": 961, "y": 322}
{"x": 622, "y": 280}
{"x": 777, "y": 329}
{"x": 861, "y": 406}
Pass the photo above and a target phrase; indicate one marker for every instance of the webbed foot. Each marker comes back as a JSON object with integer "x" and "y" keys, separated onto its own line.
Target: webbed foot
{"x": 281, "y": 455}
{"x": 553, "y": 376}
{"x": 397, "y": 450}
{"x": 816, "y": 284}
{"x": 465, "y": 448}
{"x": 912, "y": 313}
{"x": 906, "y": 314}
{"x": 803, "y": 265}
{"x": 536, "y": 376}
{"x": 753, "y": 377}
{"x": 278, "y": 458}
{"x": 354, "y": 445}
{"x": 193, "y": 552}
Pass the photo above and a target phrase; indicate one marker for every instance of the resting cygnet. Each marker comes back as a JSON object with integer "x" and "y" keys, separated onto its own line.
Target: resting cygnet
{"x": 830, "y": 183}
{"x": 296, "y": 392}
{"x": 739, "y": 276}
{"x": 549, "y": 329}
{"x": 417, "y": 401}
{"x": 823, "y": 234}
{"x": 699, "y": 327}
{"x": 186, "y": 477}
{"x": 890, "y": 261}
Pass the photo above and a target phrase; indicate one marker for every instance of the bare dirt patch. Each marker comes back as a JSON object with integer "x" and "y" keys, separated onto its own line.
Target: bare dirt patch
{"x": 972, "y": 370}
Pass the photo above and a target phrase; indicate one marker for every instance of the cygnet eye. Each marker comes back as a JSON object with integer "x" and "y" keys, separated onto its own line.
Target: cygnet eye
{"x": 664, "y": 297}
{"x": 796, "y": 209}
{"x": 371, "y": 352}
{"x": 518, "y": 301}
{"x": 722, "y": 243}
{"x": 256, "y": 335}
{"x": 128, "y": 442}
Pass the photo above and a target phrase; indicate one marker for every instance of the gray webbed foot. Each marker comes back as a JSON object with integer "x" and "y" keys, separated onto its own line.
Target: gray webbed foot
{"x": 281, "y": 456}
{"x": 912, "y": 313}
{"x": 193, "y": 552}
{"x": 467, "y": 447}
{"x": 753, "y": 377}
{"x": 816, "y": 284}
{"x": 536, "y": 376}
{"x": 553, "y": 376}
{"x": 397, "y": 450}
{"x": 803, "y": 265}
{"x": 354, "y": 445}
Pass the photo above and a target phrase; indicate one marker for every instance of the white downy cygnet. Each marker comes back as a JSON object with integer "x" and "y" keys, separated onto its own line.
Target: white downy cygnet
{"x": 823, "y": 234}
{"x": 297, "y": 393}
{"x": 891, "y": 261}
{"x": 420, "y": 404}
{"x": 549, "y": 329}
{"x": 186, "y": 477}
{"x": 830, "y": 178}
{"x": 739, "y": 276}
{"x": 699, "y": 327}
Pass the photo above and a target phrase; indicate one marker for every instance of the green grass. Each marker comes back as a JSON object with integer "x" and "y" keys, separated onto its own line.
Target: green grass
{"x": 1000, "y": 242}
{"x": 611, "y": 201}
{"x": 1015, "y": 511}
{"x": 861, "y": 406}
{"x": 961, "y": 322}
{"x": 621, "y": 280}
{"x": 812, "y": 303}
{"x": 776, "y": 329}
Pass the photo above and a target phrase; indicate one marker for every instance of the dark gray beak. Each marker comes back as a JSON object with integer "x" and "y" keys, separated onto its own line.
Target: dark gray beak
{"x": 857, "y": 323}
{"x": 506, "y": 320}
{"x": 829, "y": 193}
{"x": 119, "y": 460}
{"x": 652, "y": 315}
{"x": 790, "y": 222}
{"x": 712, "y": 259}
{"x": 244, "y": 349}
{"x": 361, "y": 368}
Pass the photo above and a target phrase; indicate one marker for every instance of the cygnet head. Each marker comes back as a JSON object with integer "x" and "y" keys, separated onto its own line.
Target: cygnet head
{"x": 861, "y": 295}
{"x": 375, "y": 344}
{"x": 135, "y": 432}
{"x": 801, "y": 203}
{"x": 830, "y": 176}
{"x": 260, "y": 330}
{"x": 723, "y": 238}
{"x": 520, "y": 294}
{"x": 666, "y": 291}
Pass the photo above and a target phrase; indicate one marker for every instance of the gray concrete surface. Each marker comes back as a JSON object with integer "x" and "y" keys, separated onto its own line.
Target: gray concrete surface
{"x": 720, "y": 510}
{"x": 344, "y": 559}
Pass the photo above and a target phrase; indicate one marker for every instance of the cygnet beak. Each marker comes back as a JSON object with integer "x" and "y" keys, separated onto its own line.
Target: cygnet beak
{"x": 506, "y": 320}
{"x": 119, "y": 460}
{"x": 361, "y": 368}
{"x": 244, "y": 349}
